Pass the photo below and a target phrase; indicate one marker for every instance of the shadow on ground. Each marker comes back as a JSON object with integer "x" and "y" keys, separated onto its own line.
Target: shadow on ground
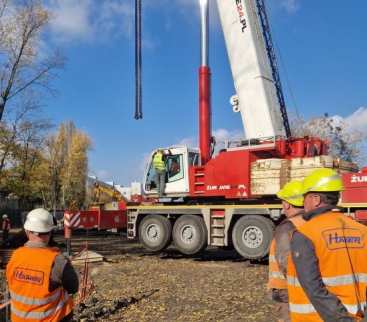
{"x": 110, "y": 244}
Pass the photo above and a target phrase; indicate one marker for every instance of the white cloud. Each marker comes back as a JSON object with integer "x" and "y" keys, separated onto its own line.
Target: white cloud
{"x": 221, "y": 135}
{"x": 103, "y": 175}
{"x": 226, "y": 135}
{"x": 291, "y": 6}
{"x": 115, "y": 18}
{"x": 71, "y": 19}
{"x": 189, "y": 141}
{"x": 90, "y": 19}
{"x": 358, "y": 120}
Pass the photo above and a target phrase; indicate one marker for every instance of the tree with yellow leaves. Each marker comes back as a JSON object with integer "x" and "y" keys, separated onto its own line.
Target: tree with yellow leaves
{"x": 63, "y": 173}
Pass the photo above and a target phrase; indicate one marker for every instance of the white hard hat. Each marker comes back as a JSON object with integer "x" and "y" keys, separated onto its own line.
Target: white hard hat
{"x": 5, "y": 216}
{"x": 39, "y": 221}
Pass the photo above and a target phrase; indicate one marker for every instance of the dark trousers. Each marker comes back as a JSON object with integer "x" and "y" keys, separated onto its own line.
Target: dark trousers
{"x": 5, "y": 235}
{"x": 161, "y": 181}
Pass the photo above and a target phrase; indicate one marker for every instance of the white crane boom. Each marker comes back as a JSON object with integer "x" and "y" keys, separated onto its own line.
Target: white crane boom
{"x": 251, "y": 70}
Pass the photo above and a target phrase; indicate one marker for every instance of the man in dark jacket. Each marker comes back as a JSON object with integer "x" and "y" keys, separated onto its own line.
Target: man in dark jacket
{"x": 292, "y": 202}
{"x": 327, "y": 270}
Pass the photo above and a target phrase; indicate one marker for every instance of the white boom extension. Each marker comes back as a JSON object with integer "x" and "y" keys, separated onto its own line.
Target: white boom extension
{"x": 251, "y": 70}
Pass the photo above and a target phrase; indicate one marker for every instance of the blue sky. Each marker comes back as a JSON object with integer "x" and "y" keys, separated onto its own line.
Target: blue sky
{"x": 322, "y": 44}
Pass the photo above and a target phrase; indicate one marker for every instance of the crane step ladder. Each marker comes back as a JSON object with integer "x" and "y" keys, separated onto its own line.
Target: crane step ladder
{"x": 131, "y": 224}
{"x": 199, "y": 180}
{"x": 217, "y": 227}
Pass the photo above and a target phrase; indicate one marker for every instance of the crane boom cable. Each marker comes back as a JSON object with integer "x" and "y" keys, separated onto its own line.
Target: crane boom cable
{"x": 273, "y": 63}
{"x": 138, "y": 62}
{"x": 287, "y": 79}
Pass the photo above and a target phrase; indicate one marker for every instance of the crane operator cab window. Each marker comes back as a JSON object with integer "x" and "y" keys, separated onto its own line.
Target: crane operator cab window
{"x": 174, "y": 168}
{"x": 174, "y": 171}
{"x": 193, "y": 159}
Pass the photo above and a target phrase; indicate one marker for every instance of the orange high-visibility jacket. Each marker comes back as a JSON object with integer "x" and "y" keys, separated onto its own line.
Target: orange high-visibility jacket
{"x": 277, "y": 280}
{"x": 341, "y": 247}
{"x": 28, "y": 274}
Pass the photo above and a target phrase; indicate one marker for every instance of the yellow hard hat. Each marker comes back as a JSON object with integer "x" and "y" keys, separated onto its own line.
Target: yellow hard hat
{"x": 323, "y": 180}
{"x": 292, "y": 193}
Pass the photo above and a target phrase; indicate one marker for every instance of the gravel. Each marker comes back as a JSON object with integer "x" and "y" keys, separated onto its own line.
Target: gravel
{"x": 175, "y": 288}
{"x": 133, "y": 285}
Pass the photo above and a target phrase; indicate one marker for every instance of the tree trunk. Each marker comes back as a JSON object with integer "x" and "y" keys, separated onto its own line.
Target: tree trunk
{"x": 2, "y": 107}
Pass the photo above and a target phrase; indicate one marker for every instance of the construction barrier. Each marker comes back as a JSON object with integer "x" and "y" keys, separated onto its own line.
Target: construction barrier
{"x": 71, "y": 220}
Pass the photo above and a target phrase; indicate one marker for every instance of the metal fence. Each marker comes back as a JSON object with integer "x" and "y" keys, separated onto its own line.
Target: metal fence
{"x": 4, "y": 301}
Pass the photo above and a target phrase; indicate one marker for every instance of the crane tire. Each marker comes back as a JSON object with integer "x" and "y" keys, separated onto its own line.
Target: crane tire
{"x": 155, "y": 232}
{"x": 252, "y": 235}
{"x": 190, "y": 235}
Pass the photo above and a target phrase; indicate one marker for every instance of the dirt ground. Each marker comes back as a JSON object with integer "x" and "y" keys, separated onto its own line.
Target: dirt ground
{"x": 133, "y": 285}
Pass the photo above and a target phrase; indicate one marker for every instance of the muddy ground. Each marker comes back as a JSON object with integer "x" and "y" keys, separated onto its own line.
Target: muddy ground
{"x": 134, "y": 285}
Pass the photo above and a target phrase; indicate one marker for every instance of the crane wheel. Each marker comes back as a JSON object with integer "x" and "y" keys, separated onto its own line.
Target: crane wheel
{"x": 252, "y": 235}
{"x": 155, "y": 232}
{"x": 190, "y": 234}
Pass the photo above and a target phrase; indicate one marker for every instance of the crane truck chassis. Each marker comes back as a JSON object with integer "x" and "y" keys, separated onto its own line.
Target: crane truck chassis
{"x": 248, "y": 228}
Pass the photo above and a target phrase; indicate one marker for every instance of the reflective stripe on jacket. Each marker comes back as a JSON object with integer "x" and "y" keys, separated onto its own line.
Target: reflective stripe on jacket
{"x": 341, "y": 249}
{"x": 28, "y": 274}
{"x": 158, "y": 162}
{"x": 277, "y": 279}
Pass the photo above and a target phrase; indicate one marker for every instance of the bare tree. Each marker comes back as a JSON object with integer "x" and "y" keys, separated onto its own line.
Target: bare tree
{"x": 23, "y": 65}
{"x": 344, "y": 141}
{"x": 9, "y": 130}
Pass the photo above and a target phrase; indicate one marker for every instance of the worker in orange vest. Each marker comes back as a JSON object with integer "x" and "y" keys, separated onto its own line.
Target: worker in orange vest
{"x": 40, "y": 278}
{"x": 327, "y": 269}
{"x": 292, "y": 202}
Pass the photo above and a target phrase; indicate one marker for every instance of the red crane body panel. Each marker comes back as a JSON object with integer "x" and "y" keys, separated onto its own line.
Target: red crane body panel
{"x": 355, "y": 185}
{"x": 225, "y": 176}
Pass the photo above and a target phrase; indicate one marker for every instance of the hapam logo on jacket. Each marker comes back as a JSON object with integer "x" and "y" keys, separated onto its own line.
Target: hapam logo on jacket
{"x": 29, "y": 276}
{"x": 343, "y": 238}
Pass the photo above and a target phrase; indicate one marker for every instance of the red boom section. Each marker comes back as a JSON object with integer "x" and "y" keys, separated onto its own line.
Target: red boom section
{"x": 204, "y": 114}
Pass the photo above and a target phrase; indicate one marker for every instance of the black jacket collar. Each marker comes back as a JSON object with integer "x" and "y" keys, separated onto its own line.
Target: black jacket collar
{"x": 314, "y": 213}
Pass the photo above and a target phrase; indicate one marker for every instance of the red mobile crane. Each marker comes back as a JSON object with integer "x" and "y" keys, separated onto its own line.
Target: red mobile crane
{"x": 229, "y": 199}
